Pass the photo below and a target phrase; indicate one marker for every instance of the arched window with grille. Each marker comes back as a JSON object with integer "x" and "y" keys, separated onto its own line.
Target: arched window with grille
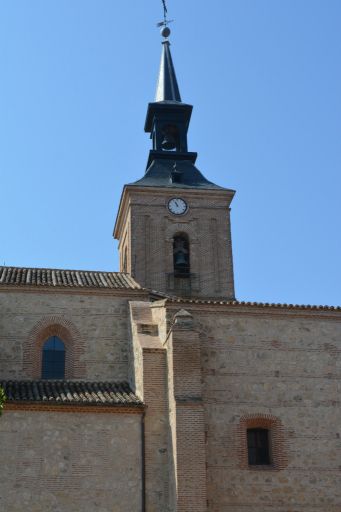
{"x": 181, "y": 255}
{"x": 53, "y": 359}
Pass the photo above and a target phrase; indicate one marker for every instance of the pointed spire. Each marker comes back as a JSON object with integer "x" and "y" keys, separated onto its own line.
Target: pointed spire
{"x": 170, "y": 164}
{"x": 167, "y": 87}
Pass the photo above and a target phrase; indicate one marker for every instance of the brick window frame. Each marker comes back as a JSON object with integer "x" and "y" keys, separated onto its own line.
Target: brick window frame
{"x": 74, "y": 347}
{"x": 276, "y": 439}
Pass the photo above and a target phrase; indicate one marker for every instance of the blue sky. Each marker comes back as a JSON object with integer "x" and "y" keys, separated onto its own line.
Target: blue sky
{"x": 264, "y": 77}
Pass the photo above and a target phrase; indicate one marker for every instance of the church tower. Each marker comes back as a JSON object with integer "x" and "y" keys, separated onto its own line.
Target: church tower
{"x": 173, "y": 225}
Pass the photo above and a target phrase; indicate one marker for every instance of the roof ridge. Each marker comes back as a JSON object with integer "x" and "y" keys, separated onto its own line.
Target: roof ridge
{"x": 278, "y": 305}
{"x": 72, "y": 381}
{"x": 66, "y": 278}
{"x": 14, "y": 267}
{"x": 234, "y": 302}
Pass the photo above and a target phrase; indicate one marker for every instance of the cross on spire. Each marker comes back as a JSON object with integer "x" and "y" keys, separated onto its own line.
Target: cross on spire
{"x": 164, "y": 24}
{"x": 165, "y": 11}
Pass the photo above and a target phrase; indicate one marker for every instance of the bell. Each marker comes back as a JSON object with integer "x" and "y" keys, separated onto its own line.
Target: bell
{"x": 180, "y": 259}
{"x": 168, "y": 142}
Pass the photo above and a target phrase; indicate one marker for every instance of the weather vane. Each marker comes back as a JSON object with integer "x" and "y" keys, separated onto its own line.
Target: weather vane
{"x": 165, "y": 31}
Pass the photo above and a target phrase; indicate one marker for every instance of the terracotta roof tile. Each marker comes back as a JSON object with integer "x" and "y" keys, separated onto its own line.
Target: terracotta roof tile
{"x": 18, "y": 276}
{"x": 237, "y": 303}
{"x": 70, "y": 392}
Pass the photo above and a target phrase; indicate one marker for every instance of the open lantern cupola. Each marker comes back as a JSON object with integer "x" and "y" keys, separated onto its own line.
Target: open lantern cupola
{"x": 168, "y": 117}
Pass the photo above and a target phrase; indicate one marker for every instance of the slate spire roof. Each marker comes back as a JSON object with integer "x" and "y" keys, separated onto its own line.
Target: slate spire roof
{"x": 160, "y": 173}
{"x": 167, "y": 86}
{"x": 170, "y": 164}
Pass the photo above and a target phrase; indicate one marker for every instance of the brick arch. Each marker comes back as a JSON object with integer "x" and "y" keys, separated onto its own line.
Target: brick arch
{"x": 188, "y": 228}
{"x": 68, "y": 333}
{"x": 277, "y": 439}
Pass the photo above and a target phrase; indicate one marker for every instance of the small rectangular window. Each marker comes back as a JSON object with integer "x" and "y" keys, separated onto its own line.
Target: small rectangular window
{"x": 149, "y": 329}
{"x": 258, "y": 446}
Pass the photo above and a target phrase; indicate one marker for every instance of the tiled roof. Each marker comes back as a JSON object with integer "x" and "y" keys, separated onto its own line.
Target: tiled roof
{"x": 63, "y": 392}
{"x": 237, "y": 303}
{"x": 18, "y": 276}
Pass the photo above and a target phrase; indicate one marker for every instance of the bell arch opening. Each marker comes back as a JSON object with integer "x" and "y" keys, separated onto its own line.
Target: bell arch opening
{"x": 181, "y": 255}
{"x": 171, "y": 138}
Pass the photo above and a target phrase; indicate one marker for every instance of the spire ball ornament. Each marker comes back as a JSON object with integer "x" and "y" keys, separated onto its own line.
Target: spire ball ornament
{"x": 165, "y": 32}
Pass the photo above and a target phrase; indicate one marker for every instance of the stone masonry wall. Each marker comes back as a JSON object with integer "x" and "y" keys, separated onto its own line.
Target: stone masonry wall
{"x": 70, "y": 462}
{"x": 281, "y": 371}
{"x": 93, "y": 326}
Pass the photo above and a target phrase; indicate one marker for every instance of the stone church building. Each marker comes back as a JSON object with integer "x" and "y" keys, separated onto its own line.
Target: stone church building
{"x": 153, "y": 389}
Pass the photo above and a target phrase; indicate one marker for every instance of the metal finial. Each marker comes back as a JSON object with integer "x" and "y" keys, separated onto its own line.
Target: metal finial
{"x": 165, "y": 30}
{"x": 165, "y": 10}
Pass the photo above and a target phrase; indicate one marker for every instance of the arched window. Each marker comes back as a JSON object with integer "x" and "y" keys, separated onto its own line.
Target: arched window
{"x": 258, "y": 446}
{"x": 181, "y": 255}
{"x": 53, "y": 362}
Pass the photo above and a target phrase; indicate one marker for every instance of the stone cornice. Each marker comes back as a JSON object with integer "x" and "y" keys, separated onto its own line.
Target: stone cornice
{"x": 162, "y": 191}
{"x": 89, "y": 409}
{"x": 129, "y": 190}
{"x": 112, "y": 292}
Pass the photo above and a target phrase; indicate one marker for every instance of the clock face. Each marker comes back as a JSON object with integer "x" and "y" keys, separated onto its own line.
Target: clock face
{"x": 177, "y": 206}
